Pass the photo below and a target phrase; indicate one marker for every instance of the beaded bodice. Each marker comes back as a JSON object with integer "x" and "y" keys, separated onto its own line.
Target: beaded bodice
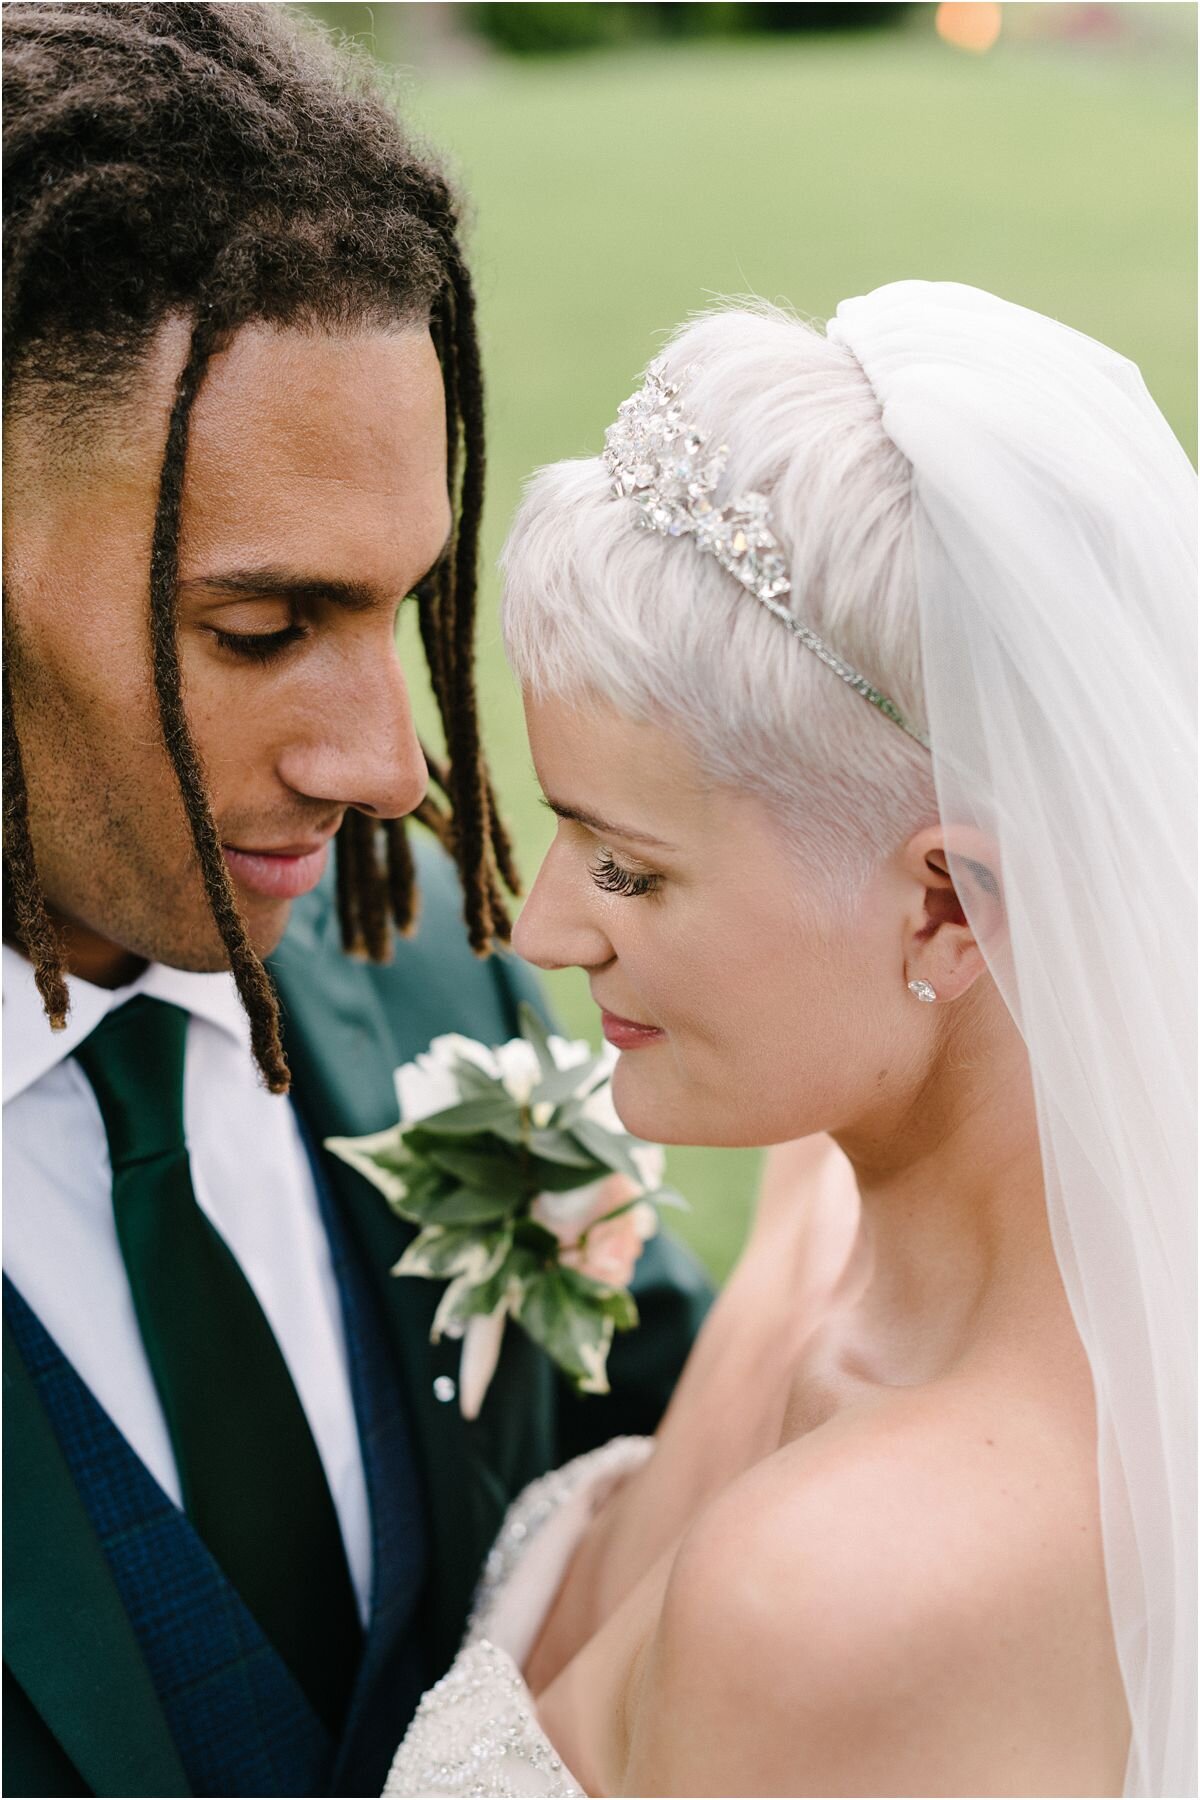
{"x": 477, "y": 1732}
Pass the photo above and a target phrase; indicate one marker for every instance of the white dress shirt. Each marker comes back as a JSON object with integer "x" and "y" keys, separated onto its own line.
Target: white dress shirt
{"x": 252, "y": 1179}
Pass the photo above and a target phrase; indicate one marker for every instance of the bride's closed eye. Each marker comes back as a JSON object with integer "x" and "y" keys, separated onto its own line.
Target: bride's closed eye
{"x": 614, "y": 878}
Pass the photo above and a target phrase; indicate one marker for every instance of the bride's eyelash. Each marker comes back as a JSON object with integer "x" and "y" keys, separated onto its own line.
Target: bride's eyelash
{"x": 608, "y": 874}
{"x": 260, "y": 646}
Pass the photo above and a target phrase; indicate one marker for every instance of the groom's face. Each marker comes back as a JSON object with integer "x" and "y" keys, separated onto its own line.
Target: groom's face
{"x": 314, "y": 501}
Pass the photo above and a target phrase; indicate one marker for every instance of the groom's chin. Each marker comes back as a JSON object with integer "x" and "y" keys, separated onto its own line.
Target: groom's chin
{"x": 199, "y": 948}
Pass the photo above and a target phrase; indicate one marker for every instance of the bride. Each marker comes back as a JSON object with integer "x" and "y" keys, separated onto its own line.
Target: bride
{"x": 858, "y": 673}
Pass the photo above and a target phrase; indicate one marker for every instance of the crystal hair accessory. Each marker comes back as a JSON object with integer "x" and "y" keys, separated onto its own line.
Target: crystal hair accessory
{"x": 658, "y": 459}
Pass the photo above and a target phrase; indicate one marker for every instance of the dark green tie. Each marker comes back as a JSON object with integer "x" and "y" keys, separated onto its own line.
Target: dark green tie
{"x": 253, "y": 1484}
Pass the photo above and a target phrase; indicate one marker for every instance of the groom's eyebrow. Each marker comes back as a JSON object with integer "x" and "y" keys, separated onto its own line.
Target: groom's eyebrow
{"x": 272, "y": 581}
{"x": 603, "y": 827}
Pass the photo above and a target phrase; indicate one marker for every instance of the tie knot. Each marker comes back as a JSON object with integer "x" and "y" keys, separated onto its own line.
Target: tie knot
{"x": 134, "y": 1062}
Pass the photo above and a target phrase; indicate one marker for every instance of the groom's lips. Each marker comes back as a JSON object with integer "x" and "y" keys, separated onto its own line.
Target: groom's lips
{"x": 628, "y": 1034}
{"x": 278, "y": 874}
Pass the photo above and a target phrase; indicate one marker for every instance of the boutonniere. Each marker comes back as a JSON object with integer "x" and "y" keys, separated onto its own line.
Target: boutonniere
{"x": 532, "y": 1201}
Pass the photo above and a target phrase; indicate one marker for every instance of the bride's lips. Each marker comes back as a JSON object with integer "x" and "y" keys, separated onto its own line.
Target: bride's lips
{"x": 279, "y": 874}
{"x": 628, "y": 1034}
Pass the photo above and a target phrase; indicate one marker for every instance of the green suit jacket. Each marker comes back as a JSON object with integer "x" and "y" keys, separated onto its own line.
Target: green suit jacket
{"x": 80, "y": 1711}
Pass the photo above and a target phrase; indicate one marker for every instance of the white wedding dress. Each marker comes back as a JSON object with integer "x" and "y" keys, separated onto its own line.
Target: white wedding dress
{"x": 477, "y": 1731}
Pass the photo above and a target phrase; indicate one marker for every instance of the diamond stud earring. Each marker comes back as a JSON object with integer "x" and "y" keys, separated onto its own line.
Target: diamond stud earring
{"x": 922, "y": 990}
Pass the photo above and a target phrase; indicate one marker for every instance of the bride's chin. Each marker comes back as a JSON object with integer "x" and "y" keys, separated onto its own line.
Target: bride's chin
{"x": 657, "y": 1110}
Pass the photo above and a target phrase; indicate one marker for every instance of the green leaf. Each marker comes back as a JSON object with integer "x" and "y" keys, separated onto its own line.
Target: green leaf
{"x": 523, "y": 1264}
{"x": 534, "y": 1032}
{"x": 424, "y": 1187}
{"x": 465, "y": 1206}
{"x": 665, "y": 1196}
{"x": 426, "y": 1181}
{"x": 461, "y": 1300}
{"x": 469, "y": 1117}
{"x": 606, "y": 1147}
{"x": 620, "y": 1306}
{"x": 563, "y": 1084}
{"x": 617, "y": 1304}
{"x": 475, "y": 1083}
{"x": 440, "y": 1252}
{"x": 466, "y": 1297}
{"x": 381, "y": 1158}
{"x": 482, "y": 1169}
{"x": 531, "y": 1236}
{"x": 560, "y": 1147}
{"x": 572, "y": 1329}
{"x": 560, "y": 1178}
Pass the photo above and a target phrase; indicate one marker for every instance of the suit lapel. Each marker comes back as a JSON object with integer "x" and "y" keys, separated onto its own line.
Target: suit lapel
{"x": 67, "y": 1639}
{"x": 342, "y": 1051}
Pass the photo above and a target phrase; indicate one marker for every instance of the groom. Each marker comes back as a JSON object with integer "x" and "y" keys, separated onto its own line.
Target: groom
{"x": 243, "y": 1513}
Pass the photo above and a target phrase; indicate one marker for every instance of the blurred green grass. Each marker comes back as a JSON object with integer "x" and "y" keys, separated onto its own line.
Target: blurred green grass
{"x": 615, "y": 194}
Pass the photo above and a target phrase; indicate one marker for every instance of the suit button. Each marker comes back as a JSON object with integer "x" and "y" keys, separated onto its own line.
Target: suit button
{"x": 444, "y": 1388}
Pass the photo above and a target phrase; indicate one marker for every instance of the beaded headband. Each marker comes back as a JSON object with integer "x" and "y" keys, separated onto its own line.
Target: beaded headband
{"x": 658, "y": 459}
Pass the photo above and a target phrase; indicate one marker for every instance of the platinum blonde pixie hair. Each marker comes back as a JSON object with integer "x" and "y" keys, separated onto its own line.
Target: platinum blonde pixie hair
{"x": 596, "y": 608}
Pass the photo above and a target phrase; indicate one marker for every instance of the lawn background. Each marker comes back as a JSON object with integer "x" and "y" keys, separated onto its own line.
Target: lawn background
{"x": 616, "y": 192}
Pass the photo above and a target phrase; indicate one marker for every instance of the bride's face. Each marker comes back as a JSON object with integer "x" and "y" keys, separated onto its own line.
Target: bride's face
{"x": 750, "y": 1003}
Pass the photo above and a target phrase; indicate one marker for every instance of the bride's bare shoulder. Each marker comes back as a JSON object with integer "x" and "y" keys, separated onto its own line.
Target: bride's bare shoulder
{"x": 896, "y": 1604}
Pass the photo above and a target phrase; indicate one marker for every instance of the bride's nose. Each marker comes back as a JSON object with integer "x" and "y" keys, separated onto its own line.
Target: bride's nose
{"x": 557, "y": 928}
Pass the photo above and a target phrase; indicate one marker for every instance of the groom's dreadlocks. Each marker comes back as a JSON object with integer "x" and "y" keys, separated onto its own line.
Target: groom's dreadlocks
{"x": 211, "y": 160}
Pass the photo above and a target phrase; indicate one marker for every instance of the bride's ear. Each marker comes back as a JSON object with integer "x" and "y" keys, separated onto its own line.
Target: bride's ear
{"x": 957, "y": 907}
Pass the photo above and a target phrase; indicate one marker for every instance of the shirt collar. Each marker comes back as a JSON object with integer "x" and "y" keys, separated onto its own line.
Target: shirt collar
{"x": 32, "y": 1049}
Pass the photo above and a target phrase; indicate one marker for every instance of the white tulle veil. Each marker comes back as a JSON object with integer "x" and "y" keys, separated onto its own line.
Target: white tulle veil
{"x": 1056, "y": 564}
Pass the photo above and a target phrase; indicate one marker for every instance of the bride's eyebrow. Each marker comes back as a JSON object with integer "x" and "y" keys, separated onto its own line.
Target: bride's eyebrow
{"x": 603, "y": 827}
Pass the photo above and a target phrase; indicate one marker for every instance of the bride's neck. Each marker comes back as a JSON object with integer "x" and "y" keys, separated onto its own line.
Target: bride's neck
{"x": 953, "y": 1246}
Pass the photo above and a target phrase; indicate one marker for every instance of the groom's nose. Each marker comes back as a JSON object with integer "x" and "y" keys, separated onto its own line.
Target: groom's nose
{"x": 361, "y": 748}
{"x": 558, "y": 927}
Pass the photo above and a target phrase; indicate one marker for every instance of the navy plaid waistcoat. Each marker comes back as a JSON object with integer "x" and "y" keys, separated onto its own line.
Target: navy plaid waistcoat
{"x": 240, "y": 1722}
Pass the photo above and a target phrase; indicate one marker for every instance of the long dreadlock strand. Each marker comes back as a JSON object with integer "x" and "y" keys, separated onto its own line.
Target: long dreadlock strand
{"x": 435, "y": 602}
{"x": 253, "y": 982}
{"x": 347, "y": 891}
{"x": 503, "y": 852}
{"x": 442, "y": 326}
{"x": 368, "y": 893}
{"x": 439, "y": 823}
{"x": 375, "y": 893}
{"x": 401, "y": 876}
{"x": 363, "y": 905}
{"x": 470, "y": 803}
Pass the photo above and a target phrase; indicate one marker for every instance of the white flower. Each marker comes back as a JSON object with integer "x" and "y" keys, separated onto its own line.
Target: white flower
{"x": 429, "y": 1084}
{"x": 519, "y": 1070}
